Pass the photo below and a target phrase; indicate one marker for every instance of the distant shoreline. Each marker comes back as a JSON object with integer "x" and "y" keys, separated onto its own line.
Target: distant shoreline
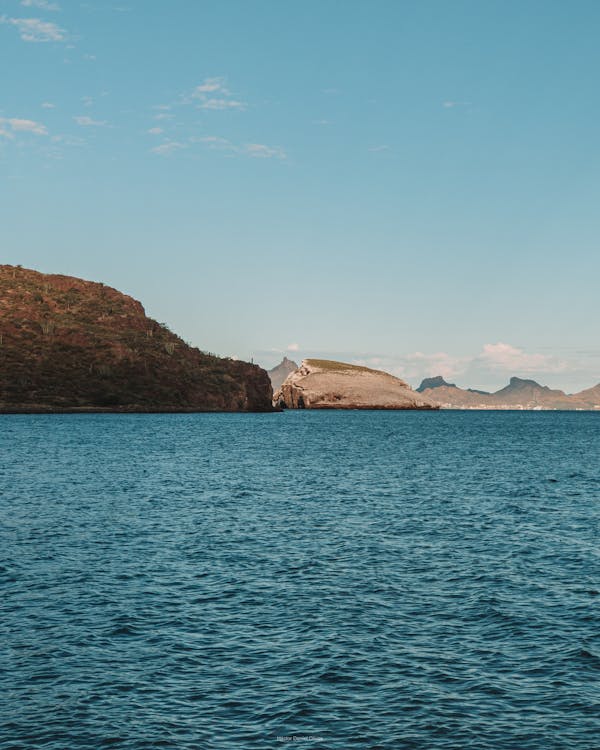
{"x": 274, "y": 410}
{"x": 126, "y": 410}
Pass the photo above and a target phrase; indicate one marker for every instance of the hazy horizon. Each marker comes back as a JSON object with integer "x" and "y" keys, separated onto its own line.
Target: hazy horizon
{"x": 408, "y": 186}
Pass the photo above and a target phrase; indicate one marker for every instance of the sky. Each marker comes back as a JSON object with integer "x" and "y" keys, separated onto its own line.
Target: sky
{"x": 411, "y": 185}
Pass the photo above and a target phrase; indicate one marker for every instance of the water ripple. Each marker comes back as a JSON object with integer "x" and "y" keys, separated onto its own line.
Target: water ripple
{"x": 366, "y": 580}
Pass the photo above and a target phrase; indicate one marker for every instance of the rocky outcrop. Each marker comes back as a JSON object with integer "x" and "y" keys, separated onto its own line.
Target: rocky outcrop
{"x": 324, "y": 384}
{"x": 72, "y": 345}
{"x": 279, "y": 373}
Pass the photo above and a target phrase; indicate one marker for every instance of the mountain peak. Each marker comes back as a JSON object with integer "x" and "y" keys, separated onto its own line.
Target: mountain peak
{"x": 280, "y": 372}
{"x": 520, "y": 382}
{"x": 436, "y": 382}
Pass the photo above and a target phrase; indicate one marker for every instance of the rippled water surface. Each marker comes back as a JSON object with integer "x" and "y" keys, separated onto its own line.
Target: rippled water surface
{"x": 353, "y": 579}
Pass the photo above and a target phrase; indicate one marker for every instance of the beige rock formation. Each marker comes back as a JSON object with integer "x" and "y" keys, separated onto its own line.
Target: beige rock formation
{"x": 324, "y": 384}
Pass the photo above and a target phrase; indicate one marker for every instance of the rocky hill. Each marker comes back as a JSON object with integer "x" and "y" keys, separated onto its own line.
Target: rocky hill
{"x": 280, "y": 372}
{"x": 68, "y": 344}
{"x": 325, "y": 384}
{"x": 436, "y": 382}
{"x": 518, "y": 394}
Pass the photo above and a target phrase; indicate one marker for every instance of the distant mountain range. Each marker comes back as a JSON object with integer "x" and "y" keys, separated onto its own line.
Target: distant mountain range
{"x": 518, "y": 394}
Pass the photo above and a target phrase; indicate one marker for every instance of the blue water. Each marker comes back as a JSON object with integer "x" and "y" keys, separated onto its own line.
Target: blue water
{"x": 353, "y": 579}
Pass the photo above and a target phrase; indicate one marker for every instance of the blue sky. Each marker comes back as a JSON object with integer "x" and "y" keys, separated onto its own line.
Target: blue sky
{"x": 412, "y": 185}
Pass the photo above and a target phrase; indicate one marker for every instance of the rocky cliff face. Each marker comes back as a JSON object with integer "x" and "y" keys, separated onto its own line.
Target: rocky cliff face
{"x": 279, "y": 373}
{"x": 71, "y": 344}
{"x": 324, "y": 384}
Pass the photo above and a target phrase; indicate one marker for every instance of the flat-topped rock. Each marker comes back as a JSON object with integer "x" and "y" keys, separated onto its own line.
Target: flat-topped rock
{"x": 325, "y": 384}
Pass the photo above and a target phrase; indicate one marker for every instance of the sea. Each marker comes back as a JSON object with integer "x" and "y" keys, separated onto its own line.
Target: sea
{"x": 322, "y": 580}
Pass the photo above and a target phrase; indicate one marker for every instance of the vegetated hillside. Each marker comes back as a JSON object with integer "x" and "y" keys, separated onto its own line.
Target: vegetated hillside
{"x": 71, "y": 344}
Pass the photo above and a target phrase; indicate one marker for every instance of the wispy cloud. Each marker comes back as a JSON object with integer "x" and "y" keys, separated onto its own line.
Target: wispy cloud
{"x": 378, "y": 149}
{"x": 155, "y": 131}
{"x": 41, "y": 4}
{"x": 259, "y": 150}
{"x": 48, "y": 105}
{"x": 165, "y": 149}
{"x": 210, "y": 85}
{"x": 213, "y": 94}
{"x": 36, "y": 30}
{"x": 451, "y": 104}
{"x": 88, "y": 122}
{"x": 215, "y": 142}
{"x": 293, "y": 347}
{"x": 509, "y": 358}
{"x": 11, "y": 125}
{"x": 215, "y": 103}
{"x": 488, "y": 369}
{"x": 68, "y": 140}
{"x": 255, "y": 150}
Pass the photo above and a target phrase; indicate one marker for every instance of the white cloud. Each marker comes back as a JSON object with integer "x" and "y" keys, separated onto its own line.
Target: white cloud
{"x": 451, "y": 104}
{"x": 438, "y": 363}
{"x": 221, "y": 104}
{"x": 87, "y": 122}
{"x": 488, "y": 369}
{"x": 167, "y": 148}
{"x": 293, "y": 347}
{"x": 48, "y": 105}
{"x": 35, "y": 30}
{"x": 68, "y": 140}
{"x": 164, "y": 116}
{"x": 220, "y": 96}
{"x": 215, "y": 142}
{"x": 502, "y": 356}
{"x": 42, "y": 4}
{"x": 255, "y": 150}
{"x": 210, "y": 85}
{"x": 376, "y": 149}
{"x": 17, "y": 125}
{"x": 259, "y": 150}
{"x": 155, "y": 131}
